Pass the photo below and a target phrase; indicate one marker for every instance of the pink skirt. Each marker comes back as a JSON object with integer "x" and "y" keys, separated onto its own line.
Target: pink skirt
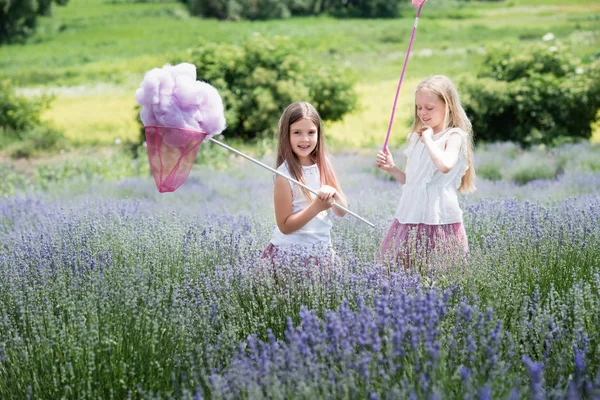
{"x": 410, "y": 244}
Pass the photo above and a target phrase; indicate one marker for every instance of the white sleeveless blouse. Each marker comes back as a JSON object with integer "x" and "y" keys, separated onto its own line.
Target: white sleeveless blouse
{"x": 430, "y": 196}
{"x": 315, "y": 235}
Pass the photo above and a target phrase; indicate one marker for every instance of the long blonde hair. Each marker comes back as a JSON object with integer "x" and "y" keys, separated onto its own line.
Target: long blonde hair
{"x": 455, "y": 117}
{"x": 319, "y": 155}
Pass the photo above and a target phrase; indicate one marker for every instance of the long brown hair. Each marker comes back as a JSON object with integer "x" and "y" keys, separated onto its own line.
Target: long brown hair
{"x": 455, "y": 117}
{"x": 319, "y": 155}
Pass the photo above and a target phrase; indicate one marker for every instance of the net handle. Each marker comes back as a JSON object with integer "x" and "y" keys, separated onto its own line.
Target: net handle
{"x": 288, "y": 178}
{"x": 412, "y": 38}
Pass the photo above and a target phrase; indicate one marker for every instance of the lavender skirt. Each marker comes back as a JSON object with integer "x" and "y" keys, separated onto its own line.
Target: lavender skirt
{"x": 407, "y": 243}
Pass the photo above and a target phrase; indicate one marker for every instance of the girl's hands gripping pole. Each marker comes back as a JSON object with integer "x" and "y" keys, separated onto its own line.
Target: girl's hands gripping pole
{"x": 328, "y": 197}
{"x": 385, "y": 161}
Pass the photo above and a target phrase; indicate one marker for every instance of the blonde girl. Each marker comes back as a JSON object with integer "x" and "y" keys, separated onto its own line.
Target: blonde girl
{"x": 439, "y": 163}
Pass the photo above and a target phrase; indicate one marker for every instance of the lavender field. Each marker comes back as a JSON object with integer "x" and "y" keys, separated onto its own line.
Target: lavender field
{"x": 112, "y": 290}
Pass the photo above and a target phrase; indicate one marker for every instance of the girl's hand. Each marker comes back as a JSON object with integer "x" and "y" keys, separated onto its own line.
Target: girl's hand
{"x": 384, "y": 160}
{"x": 425, "y": 133}
{"x": 326, "y": 197}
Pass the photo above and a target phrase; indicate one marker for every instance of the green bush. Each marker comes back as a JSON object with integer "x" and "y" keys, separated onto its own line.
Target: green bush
{"x": 91, "y": 168}
{"x": 535, "y": 95}
{"x": 22, "y": 131}
{"x": 579, "y": 157}
{"x": 239, "y": 9}
{"x": 18, "y": 19}
{"x": 270, "y": 9}
{"x": 19, "y": 113}
{"x": 532, "y": 166}
{"x": 490, "y": 171}
{"x": 37, "y": 140}
{"x": 12, "y": 181}
{"x": 258, "y": 79}
{"x": 366, "y": 8}
{"x": 491, "y": 157}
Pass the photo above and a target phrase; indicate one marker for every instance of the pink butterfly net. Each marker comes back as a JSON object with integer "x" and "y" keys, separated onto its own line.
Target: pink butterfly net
{"x": 171, "y": 153}
{"x": 178, "y": 113}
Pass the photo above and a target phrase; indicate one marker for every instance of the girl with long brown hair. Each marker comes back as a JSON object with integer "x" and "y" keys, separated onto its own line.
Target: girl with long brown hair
{"x": 304, "y": 221}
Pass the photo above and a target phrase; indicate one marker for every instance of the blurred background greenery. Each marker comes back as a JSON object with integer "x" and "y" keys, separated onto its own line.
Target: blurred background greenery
{"x": 74, "y": 75}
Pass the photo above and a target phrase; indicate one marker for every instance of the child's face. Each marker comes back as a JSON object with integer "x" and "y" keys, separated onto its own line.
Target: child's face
{"x": 303, "y": 139}
{"x": 431, "y": 110}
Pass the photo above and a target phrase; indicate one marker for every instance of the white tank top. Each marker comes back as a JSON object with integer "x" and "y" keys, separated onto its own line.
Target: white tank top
{"x": 315, "y": 235}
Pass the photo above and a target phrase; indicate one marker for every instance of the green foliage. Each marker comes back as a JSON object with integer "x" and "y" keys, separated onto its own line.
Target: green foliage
{"x": 271, "y": 9}
{"x": 490, "y": 159}
{"x": 581, "y": 161}
{"x": 507, "y": 161}
{"x": 366, "y": 8}
{"x": 12, "y": 181}
{"x": 19, "y": 113}
{"x": 18, "y": 19}
{"x": 86, "y": 169}
{"x": 531, "y": 166}
{"x": 258, "y": 79}
{"x": 94, "y": 40}
{"x": 22, "y": 131}
{"x": 309, "y": 7}
{"x": 37, "y": 140}
{"x": 489, "y": 171}
{"x": 532, "y": 95}
{"x": 117, "y": 166}
{"x": 136, "y": 1}
{"x": 239, "y": 9}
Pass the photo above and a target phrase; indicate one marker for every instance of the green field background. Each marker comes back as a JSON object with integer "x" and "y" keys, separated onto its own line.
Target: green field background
{"x": 92, "y": 55}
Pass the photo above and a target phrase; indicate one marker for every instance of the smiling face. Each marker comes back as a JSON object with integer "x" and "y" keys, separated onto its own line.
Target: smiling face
{"x": 431, "y": 110}
{"x": 304, "y": 135}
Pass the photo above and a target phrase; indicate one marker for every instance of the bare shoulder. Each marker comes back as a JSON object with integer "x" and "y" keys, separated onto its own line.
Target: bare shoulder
{"x": 282, "y": 184}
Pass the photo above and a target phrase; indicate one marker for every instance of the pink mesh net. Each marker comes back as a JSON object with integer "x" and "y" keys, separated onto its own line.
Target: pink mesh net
{"x": 171, "y": 153}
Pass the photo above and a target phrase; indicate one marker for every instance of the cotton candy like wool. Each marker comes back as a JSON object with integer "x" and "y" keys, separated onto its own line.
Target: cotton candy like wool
{"x": 178, "y": 113}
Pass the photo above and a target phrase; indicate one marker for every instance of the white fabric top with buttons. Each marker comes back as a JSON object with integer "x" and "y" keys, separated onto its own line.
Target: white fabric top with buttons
{"x": 316, "y": 233}
{"x": 429, "y": 196}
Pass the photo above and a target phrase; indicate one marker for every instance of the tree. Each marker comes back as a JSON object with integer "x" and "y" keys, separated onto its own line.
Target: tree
{"x": 18, "y": 18}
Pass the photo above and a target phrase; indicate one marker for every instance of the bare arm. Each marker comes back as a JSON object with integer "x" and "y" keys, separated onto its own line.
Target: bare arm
{"x": 444, "y": 160}
{"x": 385, "y": 162}
{"x": 289, "y": 222}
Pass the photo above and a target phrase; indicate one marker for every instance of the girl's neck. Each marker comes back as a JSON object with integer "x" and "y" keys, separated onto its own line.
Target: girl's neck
{"x": 305, "y": 161}
{"x": 440, "y": 130}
